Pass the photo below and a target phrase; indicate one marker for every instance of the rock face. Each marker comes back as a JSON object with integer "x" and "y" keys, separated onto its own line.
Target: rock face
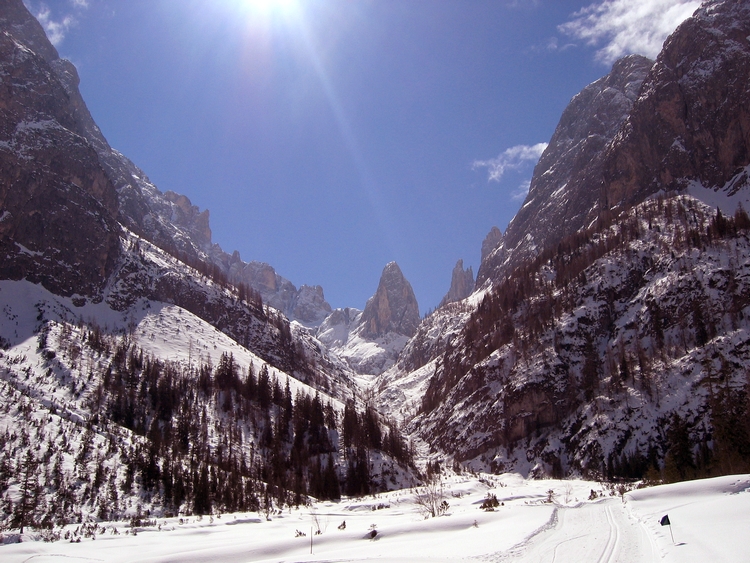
{"x": 370, "y": 341}
{"x": 692, "y": 120}
{"x": 57, "y": 206}
{"x": 491, "y": 242}
{"x": 462, "y": 284}
{"x": 643, "y": 129}
{"x": 306, "y": 305}
{"x": 393, "y": 308}
{"x": 564, "y": 188}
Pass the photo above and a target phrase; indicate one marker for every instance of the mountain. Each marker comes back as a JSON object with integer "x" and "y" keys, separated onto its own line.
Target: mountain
{"x": 371, "y": 340}
{"x": 393, "y": 308}
{"x": 147, "y": 374}
{"x": 50, "y": 124}
{"x": 689, "y": 126}
{"x": 462, "y": 284}
{"x": 564, "y": 191}
{"x": 57, "y": 205}
{"x": 306, "y": 305}
{"x": 607, "y": 334}
{"x": 609, "y": 331}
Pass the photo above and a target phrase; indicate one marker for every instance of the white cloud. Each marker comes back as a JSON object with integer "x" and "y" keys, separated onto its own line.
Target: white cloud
{"x": 628, "y": 26}
{"x": 56, "y": 29}
{"x": 521, "y": 191}
{"x": 510, "y": 159}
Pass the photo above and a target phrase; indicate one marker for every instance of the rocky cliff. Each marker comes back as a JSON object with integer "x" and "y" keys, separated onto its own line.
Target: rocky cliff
{"x": 462, "y": 284}
{"x": 564, "y": 191}
{"x": 370, "y": 341}
{"x": 393, "y": 308}
{"x": 691, "y": 123}
{"x": 306, "y": 305}
{"x": 58, "y": 207}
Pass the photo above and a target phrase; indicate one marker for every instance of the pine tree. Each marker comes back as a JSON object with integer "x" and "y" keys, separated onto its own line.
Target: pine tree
{"x": 24, "y": 510}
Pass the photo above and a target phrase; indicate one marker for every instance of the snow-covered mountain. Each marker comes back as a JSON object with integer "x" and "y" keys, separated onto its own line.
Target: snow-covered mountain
{"x": 608, "y": 329}
{"x": 371, "y": 340}
{"x": 140, "y": 367}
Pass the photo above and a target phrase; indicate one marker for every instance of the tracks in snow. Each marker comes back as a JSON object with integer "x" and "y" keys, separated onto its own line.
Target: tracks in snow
{"x": 591, "y": 533}
{"x": 608, "y": 555}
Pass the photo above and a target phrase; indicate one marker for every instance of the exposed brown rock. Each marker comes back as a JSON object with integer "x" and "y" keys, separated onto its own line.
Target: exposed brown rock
{"x": 393, "y": 308}
{"x": 462, "y": 284}
{"x": 57, "y": 204}
{"x": 692, "y": 120}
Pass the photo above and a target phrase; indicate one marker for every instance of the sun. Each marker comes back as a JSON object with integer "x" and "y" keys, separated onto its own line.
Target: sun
{"x": 270, "y": 8}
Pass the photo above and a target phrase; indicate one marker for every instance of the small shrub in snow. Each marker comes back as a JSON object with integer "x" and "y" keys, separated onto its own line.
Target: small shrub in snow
{"x": 430, "y": 500}
{"x": 490, "y": 503}
{"x": 550, "y": 496}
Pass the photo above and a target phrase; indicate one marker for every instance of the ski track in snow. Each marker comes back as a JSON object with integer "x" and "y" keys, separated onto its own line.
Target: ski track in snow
{"x": 599, "y": 532}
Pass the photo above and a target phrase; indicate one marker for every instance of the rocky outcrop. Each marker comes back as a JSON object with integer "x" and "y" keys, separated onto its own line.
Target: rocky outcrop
{"x": 370, "y": 341}
{"x": 393, "y": 308}
{"x": 306, "y": 305}
{"x": 491, "y": 242}
{"x": 564, "y": 191}
{"x": 310, "y": 306}
{"x": 462, "y": 284}
{"x": 57, "y": 206}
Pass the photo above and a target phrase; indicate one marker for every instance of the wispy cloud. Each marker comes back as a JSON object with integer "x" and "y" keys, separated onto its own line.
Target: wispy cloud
{"x": 628, "y": 26}
{"x": 521, "y": 191}
{"x": 510, "y": 159}
{"x": 55, "y": 27}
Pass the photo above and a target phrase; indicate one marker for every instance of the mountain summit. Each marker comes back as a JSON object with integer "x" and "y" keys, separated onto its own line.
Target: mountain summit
{"x": 393, "y": 308}
{"x": 563, "y": 192}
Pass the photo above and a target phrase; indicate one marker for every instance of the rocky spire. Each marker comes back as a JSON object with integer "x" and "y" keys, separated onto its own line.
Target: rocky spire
{"x": 393, "y": 308}
{"x": 462, "y": 283}
{"x": 491, "y": 241}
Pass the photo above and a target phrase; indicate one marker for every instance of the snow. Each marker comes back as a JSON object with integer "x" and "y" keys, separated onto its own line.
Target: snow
{"x": 165, "y": 331}
{"x": 709, "y": 518}
{"x": 726, "y": 198}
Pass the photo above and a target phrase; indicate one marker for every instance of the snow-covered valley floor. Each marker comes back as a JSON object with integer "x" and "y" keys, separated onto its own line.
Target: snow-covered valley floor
{"x": 709, "y": 521}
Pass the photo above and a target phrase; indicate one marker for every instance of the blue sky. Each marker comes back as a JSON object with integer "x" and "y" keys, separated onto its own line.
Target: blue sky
{"x": 330, "y": 137}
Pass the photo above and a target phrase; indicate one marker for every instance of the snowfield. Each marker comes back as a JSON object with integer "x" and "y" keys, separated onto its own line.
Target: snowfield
{"x": 709, "y": 519}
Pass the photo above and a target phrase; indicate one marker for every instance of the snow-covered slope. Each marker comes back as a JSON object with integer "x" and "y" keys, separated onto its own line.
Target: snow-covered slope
{"x": 546, "y": 520}
{"x": 582, "y": 360}
{"x": 114, "y": 411}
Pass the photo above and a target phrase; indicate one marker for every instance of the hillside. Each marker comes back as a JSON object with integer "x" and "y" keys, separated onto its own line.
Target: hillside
{"x": 607, "y": 333}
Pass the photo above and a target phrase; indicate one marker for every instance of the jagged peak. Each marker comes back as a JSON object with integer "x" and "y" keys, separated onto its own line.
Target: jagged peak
{"x": 394, "y": 306}
{"x": 462, "y": 284}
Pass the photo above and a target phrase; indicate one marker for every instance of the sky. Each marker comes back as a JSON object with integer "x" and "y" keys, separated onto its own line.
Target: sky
{"x": 330, "y": 137}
